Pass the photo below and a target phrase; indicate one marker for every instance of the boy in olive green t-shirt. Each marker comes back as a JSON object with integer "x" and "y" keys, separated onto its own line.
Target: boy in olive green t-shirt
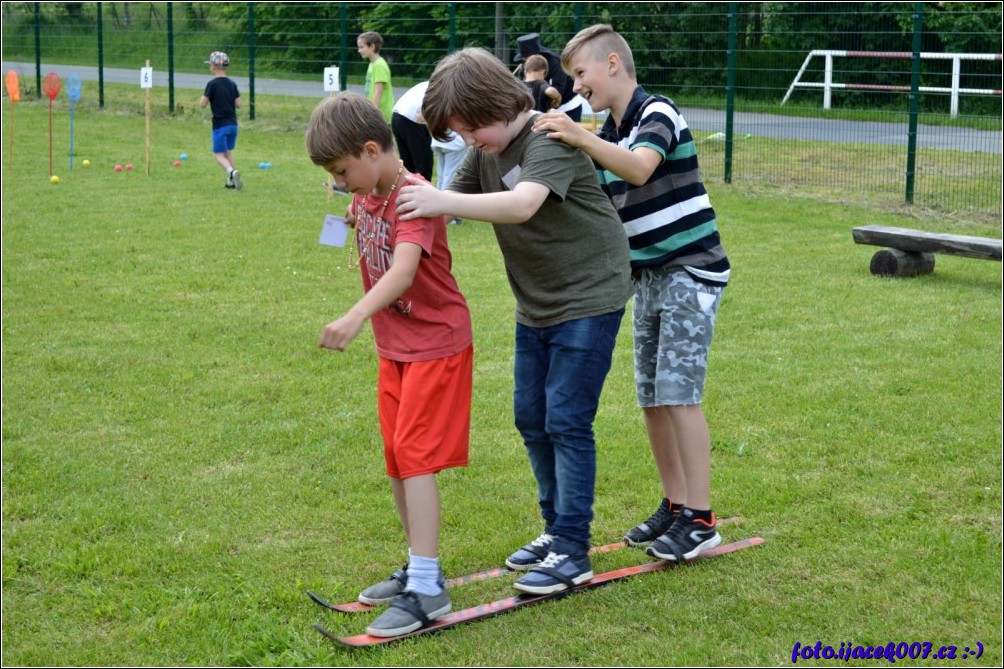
{"x": 566, "y": 258}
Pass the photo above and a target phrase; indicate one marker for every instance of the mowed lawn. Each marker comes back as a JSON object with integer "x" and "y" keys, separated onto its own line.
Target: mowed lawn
{"x": 181, "y": 462}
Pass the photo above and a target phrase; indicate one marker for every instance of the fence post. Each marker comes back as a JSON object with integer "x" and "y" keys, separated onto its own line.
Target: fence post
{"x": 452, "y": 45}
{"x": 170, "y": 57}
{"x": 730, "y": 90}
{"x": 251, "y": 43}
{"x": 911, "y": 145}
{"x": 101, "y": 58}
{"x": 343, "y": 44}
{"x": 501, "y": 46}
{"x": 38, "y": 50}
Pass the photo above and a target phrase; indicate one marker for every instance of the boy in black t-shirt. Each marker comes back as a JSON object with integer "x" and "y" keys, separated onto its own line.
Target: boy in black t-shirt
{"x": 545, "y": 96}
{"x": 222, "y": 93}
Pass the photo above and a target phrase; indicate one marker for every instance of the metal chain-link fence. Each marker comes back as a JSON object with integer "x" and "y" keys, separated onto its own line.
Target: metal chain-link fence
{"x": 885, "y": 102}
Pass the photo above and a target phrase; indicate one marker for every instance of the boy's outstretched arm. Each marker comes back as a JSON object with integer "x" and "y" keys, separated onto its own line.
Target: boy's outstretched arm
{"x": 339, "y": 334}
{"x": 419, "y": 198}
{"x": 635, "y": 167}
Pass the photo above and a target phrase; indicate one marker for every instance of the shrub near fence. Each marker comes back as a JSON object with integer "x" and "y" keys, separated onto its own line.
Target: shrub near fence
{"x": 682, "y": 50}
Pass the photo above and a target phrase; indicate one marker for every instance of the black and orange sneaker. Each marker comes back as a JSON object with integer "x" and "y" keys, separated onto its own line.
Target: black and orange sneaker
{"x": 656, "y": 525}
{"x": 687, "y": 538}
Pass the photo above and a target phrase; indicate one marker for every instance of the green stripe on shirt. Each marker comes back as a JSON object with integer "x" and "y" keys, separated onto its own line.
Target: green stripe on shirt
{"x": 677, "y": 241}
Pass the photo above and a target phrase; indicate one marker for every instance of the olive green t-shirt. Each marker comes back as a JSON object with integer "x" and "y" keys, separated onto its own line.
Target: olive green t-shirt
{"x": 570, "y": 259}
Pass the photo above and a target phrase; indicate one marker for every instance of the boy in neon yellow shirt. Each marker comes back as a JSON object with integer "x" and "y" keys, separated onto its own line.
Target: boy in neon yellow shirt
{"x": 378, "y": 86}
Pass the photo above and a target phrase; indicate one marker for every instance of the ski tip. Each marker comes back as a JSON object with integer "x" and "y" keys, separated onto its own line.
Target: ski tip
{"x": 317, "y": 599}
{"x": 732, "y": 547}
{"x": 348, "y": 607}
{"x": 320, "y": 628}
{"x": 364, "y": 640}
{"x": 320, "y": 601}
{"x": 357, "y": 641}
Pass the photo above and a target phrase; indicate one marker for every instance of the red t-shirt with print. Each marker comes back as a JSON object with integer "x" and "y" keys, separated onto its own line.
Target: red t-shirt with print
{"x": 431, "y": 319}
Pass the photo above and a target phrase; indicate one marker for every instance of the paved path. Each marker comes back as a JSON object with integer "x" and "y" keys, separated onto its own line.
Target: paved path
{"x": 705, "y": 120}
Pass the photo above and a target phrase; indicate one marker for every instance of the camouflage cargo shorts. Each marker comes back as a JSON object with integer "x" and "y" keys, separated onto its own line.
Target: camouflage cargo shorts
{"x": 674, "y": 320}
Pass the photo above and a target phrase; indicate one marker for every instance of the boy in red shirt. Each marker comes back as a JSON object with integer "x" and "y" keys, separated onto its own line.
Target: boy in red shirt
{"x": 422, "y": 328}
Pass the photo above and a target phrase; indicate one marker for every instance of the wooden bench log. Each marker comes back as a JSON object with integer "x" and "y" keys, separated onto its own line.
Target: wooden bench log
{"x": 893, "y": 262}
{"x": 910, "y": 252}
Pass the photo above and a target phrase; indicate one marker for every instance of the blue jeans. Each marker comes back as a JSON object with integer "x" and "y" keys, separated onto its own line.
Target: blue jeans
{"x": 559, "y": 375}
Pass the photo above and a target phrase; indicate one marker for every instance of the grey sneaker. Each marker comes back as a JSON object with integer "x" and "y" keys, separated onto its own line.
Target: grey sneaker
{"x": 408, "y": 612}
{"x": 531, "y": 554}
{"x": 385, "y": 591}
{"x": 656, "y": 525}
{"x": 238, "y": 184}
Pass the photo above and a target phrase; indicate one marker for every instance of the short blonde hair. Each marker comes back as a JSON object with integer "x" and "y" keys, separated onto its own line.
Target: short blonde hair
{"x": 601, "y": 40}
{"x": 340, "y": 126}
{"x": 475, "y": 87}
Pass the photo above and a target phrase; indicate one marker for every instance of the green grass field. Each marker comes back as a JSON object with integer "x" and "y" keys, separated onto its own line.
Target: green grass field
{"x": 181, "y": 462}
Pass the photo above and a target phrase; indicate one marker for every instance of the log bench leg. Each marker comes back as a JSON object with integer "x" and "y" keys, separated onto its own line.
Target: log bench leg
{"x": 893, "y": 262}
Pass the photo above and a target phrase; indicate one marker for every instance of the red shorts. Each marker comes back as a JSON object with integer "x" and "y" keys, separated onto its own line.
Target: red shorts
{"x": 425, "y": 413}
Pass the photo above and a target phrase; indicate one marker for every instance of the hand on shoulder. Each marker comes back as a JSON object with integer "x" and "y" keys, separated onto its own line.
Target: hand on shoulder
{"x": 558, "y": 125}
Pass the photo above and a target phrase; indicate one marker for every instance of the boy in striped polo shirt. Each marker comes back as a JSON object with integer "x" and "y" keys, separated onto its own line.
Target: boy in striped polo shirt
{"x": 647, "y": 164}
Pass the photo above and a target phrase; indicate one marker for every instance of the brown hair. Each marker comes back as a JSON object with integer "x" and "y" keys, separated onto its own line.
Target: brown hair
{"x": 475, "y": 87}
{"x": 601, "y": 39}
{"x": 536, "y": 63}
{"x": 340, "y": 126}
{"x": 373, "y": 39}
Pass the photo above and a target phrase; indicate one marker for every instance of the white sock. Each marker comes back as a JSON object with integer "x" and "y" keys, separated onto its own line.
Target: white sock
{"x": 423, "y": 575}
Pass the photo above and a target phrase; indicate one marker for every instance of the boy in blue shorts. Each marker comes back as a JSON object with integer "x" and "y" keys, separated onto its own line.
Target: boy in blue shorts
{"x": 566, "y": 258}
{"x": 648, "y": 167}
{"x": 221, "y": 92}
